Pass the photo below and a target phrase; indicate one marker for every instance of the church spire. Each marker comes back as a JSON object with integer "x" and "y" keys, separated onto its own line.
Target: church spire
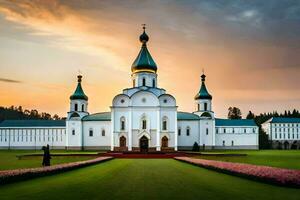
{"x": 78, "y": 94}
{"x": 203, "y": 93}
{"x": 144, "y": 61}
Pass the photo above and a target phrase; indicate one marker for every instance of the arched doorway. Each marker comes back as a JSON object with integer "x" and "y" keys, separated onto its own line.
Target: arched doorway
{"x": 164, "y": 142}
{"x": 286, "y": 145}
{"x": 144, "y": 144}
{"x": 122, "y": 141}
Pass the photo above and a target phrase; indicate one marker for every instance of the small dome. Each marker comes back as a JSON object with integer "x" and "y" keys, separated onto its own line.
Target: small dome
{"x": 203, "y": 93}
{"x": 144, "y": 38}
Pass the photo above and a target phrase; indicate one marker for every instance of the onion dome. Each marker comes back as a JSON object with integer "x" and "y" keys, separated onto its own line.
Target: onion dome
{"x": 79, "y": 94}
{"x": 144, "y": 61}
{"x": 203, "y": 93}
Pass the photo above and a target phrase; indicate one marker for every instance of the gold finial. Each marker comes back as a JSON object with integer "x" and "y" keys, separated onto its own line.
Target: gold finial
{"x": 144, "y": 26}
{"x": 79, "y": 77}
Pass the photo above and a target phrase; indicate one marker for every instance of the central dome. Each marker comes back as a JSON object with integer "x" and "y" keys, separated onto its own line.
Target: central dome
{"x": 144, "y": 61}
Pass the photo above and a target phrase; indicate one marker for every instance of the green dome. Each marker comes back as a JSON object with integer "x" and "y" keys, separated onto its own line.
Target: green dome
{"x": 203, "y": 93}
{"x": 144, "y": 61}
{"x": 79, "y": 94}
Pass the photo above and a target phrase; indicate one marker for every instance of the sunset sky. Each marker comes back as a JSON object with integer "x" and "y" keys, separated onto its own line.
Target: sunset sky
{"x": 250, "y": 51}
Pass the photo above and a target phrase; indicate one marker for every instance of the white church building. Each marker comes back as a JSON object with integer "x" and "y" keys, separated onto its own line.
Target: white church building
{"x": 143, "y": 118}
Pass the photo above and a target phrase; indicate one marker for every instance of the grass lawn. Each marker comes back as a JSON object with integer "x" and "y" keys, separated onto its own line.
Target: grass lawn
{"x": 9, "y": 160}
{"x": 144, "y": 179}
{"x": 275, "y": 158}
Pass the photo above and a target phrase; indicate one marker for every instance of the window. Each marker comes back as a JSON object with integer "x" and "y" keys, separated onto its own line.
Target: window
{"x": 122, "y": 123}
{"x": 223, "y": 142}
{"x": 188, "y": 131}
{"x": 144, "y": 124}
{"x": 91, "y": 133}
{"x": 244, "y": 130}
{"x": 76, "y": 107}
{"x": 144, "y": 82}
{"x": 205, "y": 106}
{"x": 224, "y": 130}
{"x": 164, "y": 125}
{"x": 153, "y": 82}
{"x": 217, "y": 130}
{"x": 232, "y": 143}
{"x": 103, "y": 132}
{"x": 82, "y": 107}
{"x": 179, "y": 131}
{"x": 232, "y": 130}
{"x": 198, "y": 106}
{"x": 206, "y": 131}
{"x": 133, "y": 82}
{"x": 73, "y": 132}
{"x": 253, "y": 130}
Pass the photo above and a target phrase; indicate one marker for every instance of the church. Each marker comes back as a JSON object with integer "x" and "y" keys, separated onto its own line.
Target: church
{"x": 142, "y": 118}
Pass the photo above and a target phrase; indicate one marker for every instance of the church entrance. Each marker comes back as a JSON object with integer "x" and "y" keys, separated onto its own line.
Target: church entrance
{"x": 122, "y": 141}
{"x": 144, "y": 144}
{"x": 164, "y": 142}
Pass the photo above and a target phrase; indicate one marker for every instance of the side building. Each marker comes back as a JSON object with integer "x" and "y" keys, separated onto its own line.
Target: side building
{"x": 283, "y": 133}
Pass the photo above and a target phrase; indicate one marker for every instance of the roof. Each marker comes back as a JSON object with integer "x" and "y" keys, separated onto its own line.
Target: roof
{"x": 103, "y": 116}
{"x": 144, "y": 61}
{"x": 203, "y": 93}
{"x": 79, "y": 94}
{"x": 187, "y": 116}
{"x": 284, "y": 120}
{"x": 235, "y": 122}
{"x": 33, "y": 123}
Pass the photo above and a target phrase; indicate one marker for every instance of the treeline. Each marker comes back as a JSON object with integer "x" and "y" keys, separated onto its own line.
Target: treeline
{"x": 18, "y": 113}
{"x": 264, "y": 143}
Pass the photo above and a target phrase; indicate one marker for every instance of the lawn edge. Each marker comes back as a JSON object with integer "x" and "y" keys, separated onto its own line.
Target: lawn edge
{"x": 15, "y": 175}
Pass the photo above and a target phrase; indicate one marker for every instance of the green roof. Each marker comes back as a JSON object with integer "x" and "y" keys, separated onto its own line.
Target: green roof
{"x": 33, "y": 123}
{"x": 235, "y": 122}
{"x": 79, "y": 94}
{"x": 284, "y": 120}
{"x": 203, "y": 93}
{"x": 103, "y": 116}
{"x": 144, "y": 60}
{"x": 187, "y": 116}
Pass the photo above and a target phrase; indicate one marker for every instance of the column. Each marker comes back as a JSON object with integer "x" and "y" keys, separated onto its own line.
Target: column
{"x": 112, "y": 130}
{"x": 158, "y": 130}
{"x": 175, "y": 132}
{"x": 130, "y": 131}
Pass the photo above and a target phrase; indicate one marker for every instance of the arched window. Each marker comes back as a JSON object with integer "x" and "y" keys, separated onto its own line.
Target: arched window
{"x": 232, "y": 143}
{"x": 76, "y": 107}
{"x": 206, "y": 131}
{"x": 73, "y": 132}
{"x": 198, "y": 105}
{"x": 122, "y": 121}
{"x": 205, "y": 106}
{"x": 144, "y": 82}
{"x": 103, "y": 132}
{"x": 91, "y": 133}
{"x": 223, "y": 142}
{"x": 165, "y": 124}
{"x": 144, "y": 124}
{"x": 187, "y": 131}
{"x": 82, "y": 107}
{"x": 179, "y": 131}
{"x": 153, "y": 82}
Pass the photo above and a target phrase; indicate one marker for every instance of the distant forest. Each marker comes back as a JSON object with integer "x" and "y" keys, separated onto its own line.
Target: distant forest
{"x": 17, "y": 112}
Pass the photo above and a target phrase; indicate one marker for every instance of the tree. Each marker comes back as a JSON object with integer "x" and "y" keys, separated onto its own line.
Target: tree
{"x": 250, "y": 115}
{"x": 234, "y": 113}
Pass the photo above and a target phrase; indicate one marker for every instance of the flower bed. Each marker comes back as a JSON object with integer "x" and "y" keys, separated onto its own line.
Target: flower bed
{"x": 8, "y": 176}
{"x": 278, "y": 176}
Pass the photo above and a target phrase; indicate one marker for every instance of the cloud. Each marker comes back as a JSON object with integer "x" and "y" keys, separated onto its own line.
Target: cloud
{"x": 9, "y": 80}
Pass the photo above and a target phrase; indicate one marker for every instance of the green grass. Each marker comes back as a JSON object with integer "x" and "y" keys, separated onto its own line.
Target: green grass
{"x": 275, "y": 158}
{"x": 144, "y": 179}
{"x": 9, "y": 159}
